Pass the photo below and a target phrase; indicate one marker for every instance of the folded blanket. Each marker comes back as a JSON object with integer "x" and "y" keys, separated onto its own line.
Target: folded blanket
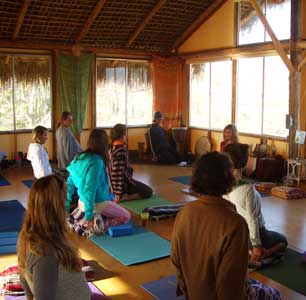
{"x": 264, "y": 186}
{"x": 288, "y": 192}
{"x": 10, "y": 281}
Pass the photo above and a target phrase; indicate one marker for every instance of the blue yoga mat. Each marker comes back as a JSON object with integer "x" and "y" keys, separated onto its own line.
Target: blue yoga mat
{"x": 11, "y": 215}
{"x": 8, "y": 238}
{"x": 163, "y": 289}
{"x": 8, "y": 242}
{"x": 141, "y": 246}
{"x": 181, "y": 179}
{"x": 8, "y": 249}
{"x": 28, "y": 182}
{"x": 3, "y": 181}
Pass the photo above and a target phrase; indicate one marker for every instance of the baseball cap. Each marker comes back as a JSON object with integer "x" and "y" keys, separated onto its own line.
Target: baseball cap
{"x": 158, "y": 116}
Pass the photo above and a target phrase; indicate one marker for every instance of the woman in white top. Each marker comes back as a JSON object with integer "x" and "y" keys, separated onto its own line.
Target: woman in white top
{"x": 37, "y": 154}
{"x": 263, "y": 243}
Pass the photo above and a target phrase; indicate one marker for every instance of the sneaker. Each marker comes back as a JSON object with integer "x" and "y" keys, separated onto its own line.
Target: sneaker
{"x": 182, "y": 164}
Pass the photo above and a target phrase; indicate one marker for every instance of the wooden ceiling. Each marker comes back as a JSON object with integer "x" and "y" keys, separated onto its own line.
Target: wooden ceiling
{"x": 149, "y": 25}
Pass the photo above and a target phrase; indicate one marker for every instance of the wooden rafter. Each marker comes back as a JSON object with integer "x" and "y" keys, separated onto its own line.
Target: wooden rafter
{"x": 235, "y": 52}
{"x": 109, "y": 52}
{"x": 20, "y": 18}
{"x": 198, "y": 22}
{"x": 90, "y": 20}
{"x": 278, "y": 46}
{"x": 147, "y": 19}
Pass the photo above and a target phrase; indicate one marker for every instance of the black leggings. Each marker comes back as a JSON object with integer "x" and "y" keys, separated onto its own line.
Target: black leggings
{"x": 167, "y": 155}
{"x": 271, "y": 238}
{"x": 140, "y": 188}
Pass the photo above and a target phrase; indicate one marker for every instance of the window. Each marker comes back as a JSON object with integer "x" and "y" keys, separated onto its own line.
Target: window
{"x": 124, "y": 93}
{"x": 211, "y": 90}
{"x": 250, "y": 27}
{"x": 262, "y": 96}
{"x": 25, "y": 92}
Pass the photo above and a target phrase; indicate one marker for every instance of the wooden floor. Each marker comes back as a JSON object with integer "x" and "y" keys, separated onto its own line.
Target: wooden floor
{"x": 120, "y": 282}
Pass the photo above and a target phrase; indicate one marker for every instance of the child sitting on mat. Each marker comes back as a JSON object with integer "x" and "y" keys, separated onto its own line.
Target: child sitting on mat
{"x": 123, "y": 185}
{"x": 87, "y": 173}
{"x": 49, "y": 265}
{"x": 263, "y": 243}
{"x": 37, "y": 154}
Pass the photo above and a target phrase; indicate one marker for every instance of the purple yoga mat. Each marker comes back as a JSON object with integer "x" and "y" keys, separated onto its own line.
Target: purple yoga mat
{"x": 96, "y": 294}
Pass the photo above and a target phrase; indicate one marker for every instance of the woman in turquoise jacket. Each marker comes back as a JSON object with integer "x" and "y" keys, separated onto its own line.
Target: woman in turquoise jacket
{"x": 87, "y": 172}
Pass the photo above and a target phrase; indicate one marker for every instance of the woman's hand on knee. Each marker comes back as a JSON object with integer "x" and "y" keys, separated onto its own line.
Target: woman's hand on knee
{"x": 258, "y": 253}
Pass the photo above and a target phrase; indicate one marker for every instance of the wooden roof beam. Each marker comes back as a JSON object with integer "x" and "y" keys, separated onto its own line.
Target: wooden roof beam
{"x": 278, "y": 46}
{"x": 147, "y": 19}
{"x": 107, "y": 52}
{"x": 198, "y": 22}
{"x": 20, "y": 19}
{"x": 90, "y": 20}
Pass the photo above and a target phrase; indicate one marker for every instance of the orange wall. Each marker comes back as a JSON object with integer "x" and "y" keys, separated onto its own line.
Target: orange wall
{"x": 216, "y": 32}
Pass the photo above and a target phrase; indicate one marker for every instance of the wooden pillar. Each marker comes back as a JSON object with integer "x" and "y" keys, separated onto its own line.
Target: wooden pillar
{"x": 55, "y": 100}
{"x": 295, "y": 76}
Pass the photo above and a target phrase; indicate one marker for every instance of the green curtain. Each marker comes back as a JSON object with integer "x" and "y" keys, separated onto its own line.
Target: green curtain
{"x": 74, "y": 78}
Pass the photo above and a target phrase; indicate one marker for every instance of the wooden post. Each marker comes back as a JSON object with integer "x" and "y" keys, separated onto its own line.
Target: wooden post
{"x": 55, "y": 100}
{"x": 94, "y": 95}
{"x": 295, "y": 76}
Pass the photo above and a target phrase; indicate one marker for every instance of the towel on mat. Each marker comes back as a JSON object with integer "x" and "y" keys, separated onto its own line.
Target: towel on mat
{"x": 164, "y": 211}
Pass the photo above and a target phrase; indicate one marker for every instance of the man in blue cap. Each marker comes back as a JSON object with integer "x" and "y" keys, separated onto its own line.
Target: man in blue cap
{"x": 162, "y": 150}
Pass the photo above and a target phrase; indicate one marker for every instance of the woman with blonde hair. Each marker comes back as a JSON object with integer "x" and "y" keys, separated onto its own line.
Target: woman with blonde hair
{"x": 49, "y": 265}
{"x": 37, "y": 154}
{"x": 230, "y": 136}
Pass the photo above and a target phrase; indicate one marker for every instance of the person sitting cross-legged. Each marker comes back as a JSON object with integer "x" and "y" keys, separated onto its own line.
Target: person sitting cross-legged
{"x": 209, "y": 245}
{"x": 263, "y": 243}
{"x": 123, "y": 185}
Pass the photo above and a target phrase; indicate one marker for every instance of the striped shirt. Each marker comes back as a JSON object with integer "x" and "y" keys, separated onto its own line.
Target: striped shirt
{"x": 120, "y": 170}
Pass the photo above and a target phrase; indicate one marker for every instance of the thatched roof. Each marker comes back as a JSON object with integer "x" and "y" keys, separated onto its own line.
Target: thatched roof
{"x": 152, "y": 25}
{"x": 138, "y": 73}
{"x": 26, "y": 69}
